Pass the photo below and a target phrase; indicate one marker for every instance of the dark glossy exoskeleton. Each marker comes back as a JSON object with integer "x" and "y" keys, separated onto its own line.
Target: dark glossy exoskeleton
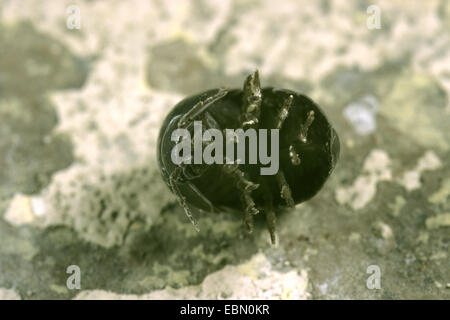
{"x": 308, "y": 151}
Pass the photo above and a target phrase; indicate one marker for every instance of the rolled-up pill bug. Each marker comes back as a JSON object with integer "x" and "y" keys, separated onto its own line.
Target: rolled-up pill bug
{"x": 308, "y": 149}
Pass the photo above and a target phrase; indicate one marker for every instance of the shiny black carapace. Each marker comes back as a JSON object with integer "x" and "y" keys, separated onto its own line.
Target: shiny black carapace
{"x": 308, "y": 152}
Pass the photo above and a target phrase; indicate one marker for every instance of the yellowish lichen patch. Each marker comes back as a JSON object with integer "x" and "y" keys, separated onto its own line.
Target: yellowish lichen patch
{"x": 15, "y": 245}
{"x": 411, "y": 179}
{"x": 377, "y": 167}
{"x": 441, "y": 220}
{"x": 58, "y": 288}
{"x": 441, "y": 196}
{"x": 409, "y": 109}
{"x": 354, "y": 237}
{"x": 397, "y": 206}
{"x": 423, "y": 237}
{"x": 439, "y": 255}
{"x": 255, "y": 279}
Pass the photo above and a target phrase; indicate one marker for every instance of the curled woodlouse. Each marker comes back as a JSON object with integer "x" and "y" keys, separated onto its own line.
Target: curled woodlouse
{"x": 306, "y": 144}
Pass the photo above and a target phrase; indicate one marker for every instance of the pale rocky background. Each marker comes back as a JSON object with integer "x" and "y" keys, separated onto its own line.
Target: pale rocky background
{"x": 80, "y": 111}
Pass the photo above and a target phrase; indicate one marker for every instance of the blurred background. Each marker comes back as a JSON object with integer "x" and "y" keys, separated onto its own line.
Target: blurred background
{"x": 85, "y": 85}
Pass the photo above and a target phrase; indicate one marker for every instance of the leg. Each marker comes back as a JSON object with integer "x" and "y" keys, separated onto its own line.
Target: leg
{"x": 248, "y": 205}
{"x": 286, "y": 192}
{"x": 246, "y": 187}
{"x": 304, "y": 128}
{"x": 284, "y": 111}
{"x": 174, "y": 179}
{"x": 184, "y": 173}
{"x": 281, "y": 117}
{"x": 271, "y": 219}
{"x": 201, "y": 196}
{"x": 293, "y": 155}
{"x": 200, "y": 108}
{"x": 251, "y": 104}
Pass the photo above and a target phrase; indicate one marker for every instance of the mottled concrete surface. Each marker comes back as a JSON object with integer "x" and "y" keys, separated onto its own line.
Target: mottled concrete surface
{"x": 80, "y": 112}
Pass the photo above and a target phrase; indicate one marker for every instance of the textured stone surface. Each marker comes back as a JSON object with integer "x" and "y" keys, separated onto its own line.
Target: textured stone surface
{"x": 79, "y": 115}
{"x": 254, "y": 279}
